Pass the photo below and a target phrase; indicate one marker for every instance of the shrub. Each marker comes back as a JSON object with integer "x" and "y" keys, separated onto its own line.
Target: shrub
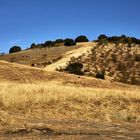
{"x": 49, "y": 43}
{"x": 100, "y": 75}
{"x": 14, "y": 49}
{"x": 59, "y": 41}
{"x": 69, "y": 42}
{"x": 102, "y": 36}
{"x": 32, "y": 65}
{"x": 33, "y": 45}
{"x": 75, "y": 68}
{"x": 123, "y": 39}
{"x": 102, "y": 39}
{"x": 81, "y": 38}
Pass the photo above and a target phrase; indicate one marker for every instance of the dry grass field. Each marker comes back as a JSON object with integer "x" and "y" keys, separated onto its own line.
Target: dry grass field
{"x": 71, "y": 102}
{"x": 52, "y": 110}
{"x": 44, "y": 104}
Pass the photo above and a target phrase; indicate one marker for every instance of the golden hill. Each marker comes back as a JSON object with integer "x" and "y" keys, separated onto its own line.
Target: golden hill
{"x": 31, "y": 97}
{"x": 39, "y": 57}
{"x": 37, "y": 93}
{"x": 119, "y": 63}
{"x": 17, "y": 73}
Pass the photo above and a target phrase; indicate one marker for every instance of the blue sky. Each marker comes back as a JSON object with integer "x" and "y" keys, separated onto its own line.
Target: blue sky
{"x": 23, "y": 22}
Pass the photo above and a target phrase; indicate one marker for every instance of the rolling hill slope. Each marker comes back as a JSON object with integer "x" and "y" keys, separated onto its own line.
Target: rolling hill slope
{"x": 119, "y": 63}
{"x": 17, "y": 73}
{"x": 85, "y": 47}
{"x": 39, "y": 57}
{"x": 34, "y": 100}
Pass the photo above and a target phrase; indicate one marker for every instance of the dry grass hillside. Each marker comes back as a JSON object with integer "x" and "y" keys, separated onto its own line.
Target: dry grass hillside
{"x": 117, "y": 62}
{"x": 39, "y": 57}
{"x": 84, "y": 48}
{"x": 46, "y": 103}
{"x": 17, "y": 73}
{"x": 30, "y": 90}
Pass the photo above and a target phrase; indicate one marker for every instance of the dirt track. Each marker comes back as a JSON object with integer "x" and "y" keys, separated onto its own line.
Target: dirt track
{"x": 73, "y": 130}
{"x": 73, "y": 53}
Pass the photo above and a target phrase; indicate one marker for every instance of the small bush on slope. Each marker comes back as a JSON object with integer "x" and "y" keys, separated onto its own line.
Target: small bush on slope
{"x": 81, "y": 38}
{"x": 69, "y": 42}
{"x": 75, "y": 68}
{"x": 14, "y": 49}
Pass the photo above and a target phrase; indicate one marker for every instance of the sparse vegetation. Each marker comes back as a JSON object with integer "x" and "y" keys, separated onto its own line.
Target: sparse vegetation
{"x": 100, "y": 75}
{"x": 118, "y": 61}
{"x": 118, "y": 39}
{"x": 75, "y": 68}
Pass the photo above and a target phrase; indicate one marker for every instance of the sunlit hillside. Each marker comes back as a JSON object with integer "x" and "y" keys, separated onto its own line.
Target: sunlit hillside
{"x": 32, "y": 98}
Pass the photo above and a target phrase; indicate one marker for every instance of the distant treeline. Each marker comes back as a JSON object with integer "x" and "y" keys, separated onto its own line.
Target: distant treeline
{"x": 58, "y": 42}
{"x": 118, "y": 39}
{"x": 102, "y": 39}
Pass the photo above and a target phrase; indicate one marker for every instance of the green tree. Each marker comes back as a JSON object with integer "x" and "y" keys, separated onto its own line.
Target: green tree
{"x": 75, "y": 68}
{"x": 102, "y": 39}
{"x": 81, "y": 38}
{"x": 15, "y": 49}
{"x": 59, "y": 41}
{"x": 33, "y": 45}
{"x": 69, "y": 42}
{"x": 49, "y": 43}
{"x": 102, "y": 36}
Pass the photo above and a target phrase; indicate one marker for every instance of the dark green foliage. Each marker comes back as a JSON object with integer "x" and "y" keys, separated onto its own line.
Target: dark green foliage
{"x": 102, "y": 39}
{"x": 59, "y": 41}
{"x": 14, "y": 49}
{"x": 49, "y": 43}
{"x": 69, "y": 42}
{"x": 100, "y": 75}
{"x": 75, "y": 68}
{"x": 81, "y": 38}
{"x": 102, "y": 36}
{"x": 123, "y": 39}
{"x": 33, "y": 45}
